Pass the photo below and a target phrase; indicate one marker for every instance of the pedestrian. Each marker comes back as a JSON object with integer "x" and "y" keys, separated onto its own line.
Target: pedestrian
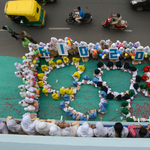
{"x": 27, "y": 35}
{"x": 12, "y": 33}
{"x": 44, "y": 2}
{"x": 25, "y": 42}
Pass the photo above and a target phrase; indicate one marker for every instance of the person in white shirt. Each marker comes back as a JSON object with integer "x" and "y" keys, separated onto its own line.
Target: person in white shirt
{"x": 85, "y": 131}
{"x": 3, "y": 128}
{"x": 55, "y": 130}
{"x": 99, "y": 130}
{"x": 27, "y": 125}
{"x": 43, "y": 127}
{"x": 13, "y": 125}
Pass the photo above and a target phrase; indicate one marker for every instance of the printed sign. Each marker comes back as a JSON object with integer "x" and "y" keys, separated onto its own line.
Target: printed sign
{"x": 139, "y": 56}
{"x": 83, "y": 52}
{"x": 113, "y": 53}
{"x": 62, "y": 50}
{"x": 43, "y": 52}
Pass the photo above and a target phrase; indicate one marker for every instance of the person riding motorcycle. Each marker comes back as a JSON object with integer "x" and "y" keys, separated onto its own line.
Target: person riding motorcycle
{"x": 79, "y": 14}
{"x": 116, "y": 20}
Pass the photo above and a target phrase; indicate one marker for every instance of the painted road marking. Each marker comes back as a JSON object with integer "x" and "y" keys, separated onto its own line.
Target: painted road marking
{"x": 2, "y": 30}
{"x": 123, "y": 30}
{"x": 59, "y": 28}
{"x": 127, "y": 30}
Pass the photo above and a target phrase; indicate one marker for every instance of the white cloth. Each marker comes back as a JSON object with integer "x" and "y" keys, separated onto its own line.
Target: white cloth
{"x": 18, "y": 74}
{"x": 31, "y": 89}
{"x": 78, "y": 19}
{"x": 43, "y": 127}
{"x": 13, "y": 126}
{"x": 27, "y": 125}
{"x": 23, "y": 94}
{"x": 18, "y": 66}
{"x": 55, "y": 130}
{"x": 29, "y": 100}
{"x": 70, "y": 131}
{"x": 23, "y": 103}
{"x": 3, "y": 128}
{"x": 111, "y": 132}
{"x": 85, "y": 131}
{"x": 75, "y": 44}
{"x": 132, "y": 87}
{"x": 31, "y": 108}
{"x": 76, "y": 79}
{"x": 102, "y": 100}
{"x": 100, "y": 130}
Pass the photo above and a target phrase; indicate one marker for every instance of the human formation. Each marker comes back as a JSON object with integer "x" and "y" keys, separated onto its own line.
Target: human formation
{"x": 35, "y": 82}
{"x": 34, "y": 126}
{"x": 100, "y": 49}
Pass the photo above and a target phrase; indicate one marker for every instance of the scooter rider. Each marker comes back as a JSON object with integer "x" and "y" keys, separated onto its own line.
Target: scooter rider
{"x": 80, "y": 14}
{"x": 116, "y": 19}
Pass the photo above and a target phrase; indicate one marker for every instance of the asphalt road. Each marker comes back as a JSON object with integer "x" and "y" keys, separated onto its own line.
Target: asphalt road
{"x": 138, "y": 29}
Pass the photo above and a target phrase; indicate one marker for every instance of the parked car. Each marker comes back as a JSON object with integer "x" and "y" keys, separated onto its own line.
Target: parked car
{"x": 140, "y": 5}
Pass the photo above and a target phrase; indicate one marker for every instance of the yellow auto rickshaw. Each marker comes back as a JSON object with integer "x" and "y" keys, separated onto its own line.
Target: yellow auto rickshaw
{"x": 25, "y": 12}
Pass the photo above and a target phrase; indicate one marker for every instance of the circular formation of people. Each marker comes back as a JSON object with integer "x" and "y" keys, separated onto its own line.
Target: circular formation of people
{"x": 34, "y": 81}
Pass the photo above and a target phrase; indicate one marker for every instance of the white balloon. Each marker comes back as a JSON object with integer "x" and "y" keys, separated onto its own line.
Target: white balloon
{"x": 32, "y": 65}
{"x": 103, "y": 57}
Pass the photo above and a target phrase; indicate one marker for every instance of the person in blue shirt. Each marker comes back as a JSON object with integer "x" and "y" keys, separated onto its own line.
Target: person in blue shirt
{"x": 102, "y": 109}
{"x": 80, "y": 16}
{"x": 92, "y": 114}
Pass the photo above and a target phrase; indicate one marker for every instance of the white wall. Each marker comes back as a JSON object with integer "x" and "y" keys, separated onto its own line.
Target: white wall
{"x": 25, "y": 142}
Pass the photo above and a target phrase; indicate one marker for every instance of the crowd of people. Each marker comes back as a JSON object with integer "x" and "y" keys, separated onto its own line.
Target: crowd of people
{"x": 34, "y": 126}
{"x": 100, "y": 49}
{"x": 105, "y": 91}
{"x": 35, "y": 81}
{"x": 30, "y": 90}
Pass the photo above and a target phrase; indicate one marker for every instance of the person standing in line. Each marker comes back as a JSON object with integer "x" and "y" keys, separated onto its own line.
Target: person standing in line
{"x": 28, "y": 36}
{"x": 12, "y": 33}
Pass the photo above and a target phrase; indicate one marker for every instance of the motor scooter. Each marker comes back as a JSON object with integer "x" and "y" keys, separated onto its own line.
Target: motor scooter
{"x": 87, "y": 18}
{"x": 47, "y": 1}
{"x": 123, "y": 24}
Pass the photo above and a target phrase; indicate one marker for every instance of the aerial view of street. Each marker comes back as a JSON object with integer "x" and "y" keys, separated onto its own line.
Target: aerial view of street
{"x": 74, "y": 68}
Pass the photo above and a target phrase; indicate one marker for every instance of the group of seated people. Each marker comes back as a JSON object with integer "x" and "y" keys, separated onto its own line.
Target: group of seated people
{"x": 34, "y": 126}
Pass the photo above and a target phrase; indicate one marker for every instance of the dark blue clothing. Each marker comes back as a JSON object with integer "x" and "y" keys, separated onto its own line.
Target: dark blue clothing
{"x": 68, "y": 113}
{"x": 81, "y": 13}
{"x": 93, "y": 115}
{"x": 83, "y": 118}
{"x": 105, "y": 104}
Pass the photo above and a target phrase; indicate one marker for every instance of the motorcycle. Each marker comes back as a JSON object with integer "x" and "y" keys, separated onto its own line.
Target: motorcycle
{"x": 47, "y": 1}
{"x": 87, "y": 18}
{"x": 123, "y": 24}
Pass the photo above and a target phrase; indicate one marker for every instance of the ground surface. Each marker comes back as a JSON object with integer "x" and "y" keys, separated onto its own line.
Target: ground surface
{"x": 86, "y": 99}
